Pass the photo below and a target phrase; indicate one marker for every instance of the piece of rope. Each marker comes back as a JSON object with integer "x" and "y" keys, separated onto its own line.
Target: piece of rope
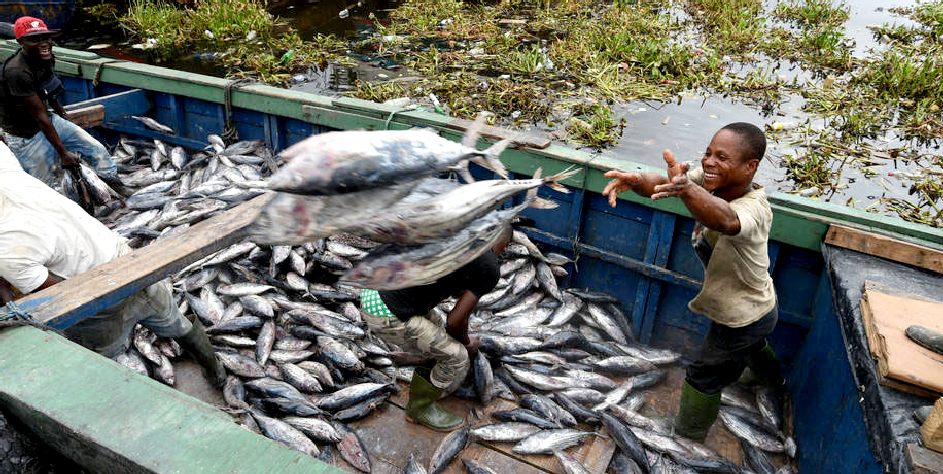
{"x": 389, "y": 119}
{"x": 229, "y": 132}
{"x": 15, "y": 316}
{"x": 98, "y": 70}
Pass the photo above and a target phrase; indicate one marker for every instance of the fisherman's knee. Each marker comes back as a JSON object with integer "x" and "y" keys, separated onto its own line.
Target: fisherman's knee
{"x": 451, "y": 370}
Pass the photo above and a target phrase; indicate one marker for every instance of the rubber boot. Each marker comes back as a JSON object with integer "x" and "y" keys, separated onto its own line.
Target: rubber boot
{"x": 762, "y": 369}
{"x": 696, "y": 413}
{"x": 197, "y": 344}
{"x": 422, "y": 407}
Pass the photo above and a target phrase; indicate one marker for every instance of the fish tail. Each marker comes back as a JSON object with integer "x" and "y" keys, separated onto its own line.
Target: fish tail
{"x": 532, "y": 200}
{"x": 553, "y": 182}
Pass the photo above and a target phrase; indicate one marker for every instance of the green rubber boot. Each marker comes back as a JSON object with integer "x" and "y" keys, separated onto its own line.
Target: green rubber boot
{"x": 696, "y": 414}
{"x": 762, "y": 369}
{"x": 422, "y": 407}
{"x": 197, "y": 344}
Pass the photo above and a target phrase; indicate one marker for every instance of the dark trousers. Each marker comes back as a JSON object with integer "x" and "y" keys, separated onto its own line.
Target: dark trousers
{"x": 726, "y": 352}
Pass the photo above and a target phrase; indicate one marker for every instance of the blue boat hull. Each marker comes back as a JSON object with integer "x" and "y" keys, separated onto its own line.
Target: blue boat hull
{"x": 639, "y": 251}
{"x": 56, "y": 13}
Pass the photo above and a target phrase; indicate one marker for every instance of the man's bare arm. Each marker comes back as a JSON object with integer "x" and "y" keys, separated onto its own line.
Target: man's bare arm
{"x": 456, "y": 324}
{"x": 50, "y": 280}
{"x": 712, "y": 211}
{"x": 38, "y": 110}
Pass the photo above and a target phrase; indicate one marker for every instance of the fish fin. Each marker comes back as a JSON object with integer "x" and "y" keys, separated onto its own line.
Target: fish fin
{"x": 542, "y": 203}
{"x": 553, "y": 182}
{"x": 474, "y": 130}
{"x": 492, "y": 156}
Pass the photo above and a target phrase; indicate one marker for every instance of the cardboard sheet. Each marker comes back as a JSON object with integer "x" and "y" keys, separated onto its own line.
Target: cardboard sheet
{"x": 902, "y": 363}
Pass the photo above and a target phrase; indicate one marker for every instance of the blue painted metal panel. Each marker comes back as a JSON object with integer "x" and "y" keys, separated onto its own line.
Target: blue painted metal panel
{"x": 796, "y": 280}
{"x": 296, "y": 130}
{"x": 623, "y": 230}
{"x": 829, "y": 425}
{"x": 682, "y": 258}
{"x": 200, "y": 118}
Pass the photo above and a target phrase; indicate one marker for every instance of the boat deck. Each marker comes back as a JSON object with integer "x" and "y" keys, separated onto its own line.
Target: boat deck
{"x": 390, "y": 439}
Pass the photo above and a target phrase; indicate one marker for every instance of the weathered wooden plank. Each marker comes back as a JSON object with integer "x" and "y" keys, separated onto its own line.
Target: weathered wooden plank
{"x": 110, "y": 419}
{"x": 86, "y": 117}
{"x": 390, "y": 439}
{"x": 885, "y": 247}
{"x": 922, "y": 460}
{"x": 595, "y": 452}
{"x": 85, "y": 295}
{"x": 122, "y": 104}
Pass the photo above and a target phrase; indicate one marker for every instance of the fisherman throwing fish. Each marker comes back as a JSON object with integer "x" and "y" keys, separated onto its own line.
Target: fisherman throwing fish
{"x": 46, "y": 238}
{"x": 730, "y": 237}
{"x": 42, "y": 142}
{"x": 399, "y": 317}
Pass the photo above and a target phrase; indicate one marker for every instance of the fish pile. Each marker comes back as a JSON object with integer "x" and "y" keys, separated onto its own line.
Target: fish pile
{"x": 284, "y": 321}
{"x": 382, "y": 186}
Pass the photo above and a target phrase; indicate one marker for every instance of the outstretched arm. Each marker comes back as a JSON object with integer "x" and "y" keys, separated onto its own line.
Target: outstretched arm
{"x": 456, "y": 324}
{"x": 643, "y": 184}
{"x": 712, "y": 211}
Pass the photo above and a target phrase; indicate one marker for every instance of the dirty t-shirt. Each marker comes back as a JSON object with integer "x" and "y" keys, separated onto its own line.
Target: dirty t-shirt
{"x": 42, "y": 231}
{"x": 22, "y": 78}
{"x": 738, "y": 289}
{"x": 478, "y": 276}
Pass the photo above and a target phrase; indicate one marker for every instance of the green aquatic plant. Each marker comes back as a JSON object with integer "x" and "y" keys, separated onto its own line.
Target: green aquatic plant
{"x": 815, "y": 13}
{"x": 733, "y": 26}
{"x": 594, "y": 125}
{"x": 930, "y": 15}
{"x": 229, "y": 20}
{"x": 157, "y": 22}
{"x": 379, "y": 92}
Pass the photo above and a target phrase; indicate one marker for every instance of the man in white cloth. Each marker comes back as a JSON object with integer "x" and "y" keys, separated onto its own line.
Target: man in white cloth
{"x": 45, "y": 238}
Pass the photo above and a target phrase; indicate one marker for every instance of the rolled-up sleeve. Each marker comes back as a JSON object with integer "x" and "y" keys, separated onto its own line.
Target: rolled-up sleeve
{"x": 23, "y": 261}
{"x": 24, "y": 274}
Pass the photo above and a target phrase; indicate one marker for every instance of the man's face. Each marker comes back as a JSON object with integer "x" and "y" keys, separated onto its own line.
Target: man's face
{"x": 38, "y": 47}
{"x": 724, "y": 163}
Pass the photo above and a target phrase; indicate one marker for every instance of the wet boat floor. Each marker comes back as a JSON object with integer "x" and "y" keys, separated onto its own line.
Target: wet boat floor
{"x": 390, "y": 439}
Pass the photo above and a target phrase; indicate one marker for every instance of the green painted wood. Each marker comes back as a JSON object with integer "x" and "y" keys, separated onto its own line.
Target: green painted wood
{"x": 806, "y": 220}
{"x": 110, "y": 419}
{"x": 72, "y": 69}
{"x": 862, "y": 219}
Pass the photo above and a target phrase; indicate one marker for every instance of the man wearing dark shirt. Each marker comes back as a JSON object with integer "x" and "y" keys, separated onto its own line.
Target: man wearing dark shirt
{"x": 400, "y": 317}
{"x": 42, "y": 142}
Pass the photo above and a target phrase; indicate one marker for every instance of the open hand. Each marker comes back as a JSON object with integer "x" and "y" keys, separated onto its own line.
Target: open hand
{"x": 621, "y": 182}
{"x": 678, "y": 180}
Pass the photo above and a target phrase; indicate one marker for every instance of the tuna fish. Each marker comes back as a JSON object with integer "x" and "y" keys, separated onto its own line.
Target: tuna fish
{"x": 452, "y": 444}
{"x": 344, "y": 162}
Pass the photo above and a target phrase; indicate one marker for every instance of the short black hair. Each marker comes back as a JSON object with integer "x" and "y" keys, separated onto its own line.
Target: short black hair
{"x": 753, "y": 138}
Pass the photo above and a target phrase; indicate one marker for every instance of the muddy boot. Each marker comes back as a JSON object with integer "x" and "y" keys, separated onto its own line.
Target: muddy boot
{"x": 422, "y": 407}
{"x": 696, "y": 414}
{"x": 197, "y": 344}
{"x": 762, "y": 369}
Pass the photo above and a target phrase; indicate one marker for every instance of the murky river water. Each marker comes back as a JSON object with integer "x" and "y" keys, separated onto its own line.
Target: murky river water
{"x": 685, "y": 127}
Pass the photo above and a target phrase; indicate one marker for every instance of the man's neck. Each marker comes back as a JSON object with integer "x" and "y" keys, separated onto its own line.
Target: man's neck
{"x": 734, "y": 192}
